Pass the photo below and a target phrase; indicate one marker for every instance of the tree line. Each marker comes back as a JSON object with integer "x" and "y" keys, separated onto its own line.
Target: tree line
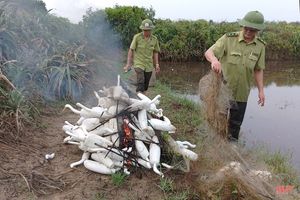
{"x": 186, "y": 40}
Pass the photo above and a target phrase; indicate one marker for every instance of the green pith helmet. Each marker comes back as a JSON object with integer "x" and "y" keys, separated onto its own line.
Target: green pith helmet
{"x": 253, "y": 19}
{"x": 147, "y": 24}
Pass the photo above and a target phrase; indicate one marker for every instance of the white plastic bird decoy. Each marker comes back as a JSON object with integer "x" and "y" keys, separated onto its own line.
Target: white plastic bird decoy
{"x": 177, "y": 148}
{"x": 114, "y": 154}
{"x": 116, "y": 93}
{"x": 102, "y": 131}
{"x": 142, "y": 150}
{"x": 94, "y": 112}
{"x": 84, "y": 157}
{"x": 101, "y": 158}
{"x": 90, "y": 141}
{"x": 98, "y": 167}
{"x": 97, "y": 133}
{"x": 142, "y": 119}
{"x": 77, "y": 133}
{"x": 104, "y": 102}
{"x": 185, "y": 144}
{"x": 142, "y": 104}
{"x": 86, "y": 112}
{"x": 154, "y": 102}
{"x": 162, "y": 125}
{"x": 144, "y": 163}
{"x": 155, "y": 153}
{"x": 90, "y": 123}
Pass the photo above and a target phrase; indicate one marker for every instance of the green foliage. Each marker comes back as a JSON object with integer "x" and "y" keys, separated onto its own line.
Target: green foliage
{"x": 186, "y": 40}
{"x": 278, "y": 162}
{"x": 280, "y": 165}
{"x": 67, "y": 74}
{"x": 41, "y": 51}
{"x": 176, "y": 107}
{"x": 17, "y": 74}
{"x": 166, "y": 185}
{"x": 14, "y": 103}
{"x": 126, "y": 20}
{"x": 179, "y": 196}
{"x": 31, "y": 5}
{"x": 58, "y": 29}
{"x": 8, "y": 47}
{"x": 118, "y": 178}
{"x": 99, "y": 196}
{"x": 14, "y": 100}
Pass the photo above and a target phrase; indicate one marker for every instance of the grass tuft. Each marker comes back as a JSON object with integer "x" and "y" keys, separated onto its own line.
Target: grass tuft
{"x": 118, "y": 178}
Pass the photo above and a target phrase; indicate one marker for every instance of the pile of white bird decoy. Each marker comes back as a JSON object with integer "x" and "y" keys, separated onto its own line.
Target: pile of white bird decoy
{"x": 122, "y": 132}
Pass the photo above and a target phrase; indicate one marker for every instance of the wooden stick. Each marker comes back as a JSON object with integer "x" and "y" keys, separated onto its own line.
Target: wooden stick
{"x": 8, "y": 83}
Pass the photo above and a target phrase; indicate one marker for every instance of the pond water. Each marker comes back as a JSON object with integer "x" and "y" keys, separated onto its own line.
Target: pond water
{"x": 276, "y": 125}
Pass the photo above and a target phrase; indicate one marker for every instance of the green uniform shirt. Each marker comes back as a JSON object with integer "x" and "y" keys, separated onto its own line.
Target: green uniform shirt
{"x": 238, "y": 60}
{"x": 143, "y": 51}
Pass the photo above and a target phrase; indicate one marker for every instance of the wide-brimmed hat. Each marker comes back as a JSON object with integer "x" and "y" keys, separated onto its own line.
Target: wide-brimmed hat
{"x": 147, "y": 24}
{"x": 253, "y": 19}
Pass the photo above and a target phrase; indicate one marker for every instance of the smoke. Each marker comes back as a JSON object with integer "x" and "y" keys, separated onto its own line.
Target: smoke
{"x": 56, "y": 59}
{"x": 73, "y": 10}
{"x": 106, "y": 46}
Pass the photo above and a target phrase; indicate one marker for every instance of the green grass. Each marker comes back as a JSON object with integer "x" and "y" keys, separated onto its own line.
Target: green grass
{"x": 18, "y": 110}
{"x": 179, "y": 196}
{"x": 118, "y": 178}
{"x": 280, "y": 165}
{"x": 99, "y": 196}
{"x": 183, "y": 113}
{"x": 166, "y": 185}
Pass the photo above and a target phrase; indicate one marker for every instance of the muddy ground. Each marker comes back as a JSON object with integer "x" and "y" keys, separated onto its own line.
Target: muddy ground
{"x": 26, "y": 174}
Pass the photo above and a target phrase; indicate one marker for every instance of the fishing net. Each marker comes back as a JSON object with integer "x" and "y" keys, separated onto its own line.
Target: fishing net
{"x": 170, "y": 156}
{"x": 215, "y": 97}
{"x": 227, "y": 172}
{"x": 236, "y": 182}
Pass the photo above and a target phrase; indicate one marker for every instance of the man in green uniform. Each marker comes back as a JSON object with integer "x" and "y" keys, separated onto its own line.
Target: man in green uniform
{"x": 239, "y": 56}
{"x": 143, "y": 51}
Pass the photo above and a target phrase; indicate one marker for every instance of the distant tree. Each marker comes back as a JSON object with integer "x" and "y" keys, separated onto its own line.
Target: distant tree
{"x": 127, "y": 19}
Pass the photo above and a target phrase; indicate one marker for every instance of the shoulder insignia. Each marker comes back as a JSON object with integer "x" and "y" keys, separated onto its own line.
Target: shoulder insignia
{"x": 232, "y": 34}
{"x": 261, "y": 40}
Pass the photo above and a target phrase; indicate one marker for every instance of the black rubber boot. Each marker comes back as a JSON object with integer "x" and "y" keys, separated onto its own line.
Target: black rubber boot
{"x": 236, "y": 117}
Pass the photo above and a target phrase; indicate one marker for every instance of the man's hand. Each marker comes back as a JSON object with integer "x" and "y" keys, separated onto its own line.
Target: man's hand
{"x": 157, "y": 68}
{"x": 216, "y": 66}
{"x": 127, "y": 68}
{"x": 261, "y": 99}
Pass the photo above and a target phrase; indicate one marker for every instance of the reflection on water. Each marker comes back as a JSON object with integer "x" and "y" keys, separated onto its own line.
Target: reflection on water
{"x": 183, "y": 77}
{"x": 277, "y": 124}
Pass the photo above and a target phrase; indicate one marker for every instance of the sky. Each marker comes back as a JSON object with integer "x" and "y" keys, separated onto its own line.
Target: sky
{"x": 216, "y": 10}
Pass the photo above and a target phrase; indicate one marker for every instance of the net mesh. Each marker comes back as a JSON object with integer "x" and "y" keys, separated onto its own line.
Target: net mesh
{"x": 215, "y": 98}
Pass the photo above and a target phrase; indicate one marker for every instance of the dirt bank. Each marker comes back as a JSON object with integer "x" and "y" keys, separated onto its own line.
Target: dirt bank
{"x": 26, "y": 174}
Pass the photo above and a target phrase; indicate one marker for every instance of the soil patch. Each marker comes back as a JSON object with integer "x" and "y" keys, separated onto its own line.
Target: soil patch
{"x": 26, "y": 174}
